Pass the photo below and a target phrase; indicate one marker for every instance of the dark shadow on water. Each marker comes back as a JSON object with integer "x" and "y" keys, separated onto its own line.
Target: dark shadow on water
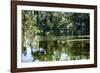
{"x": 62, "y": 50}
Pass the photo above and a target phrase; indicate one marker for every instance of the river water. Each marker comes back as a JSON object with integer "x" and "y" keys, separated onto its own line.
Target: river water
{"x": 58, "y": 49}
{"x": 63, "y": 49}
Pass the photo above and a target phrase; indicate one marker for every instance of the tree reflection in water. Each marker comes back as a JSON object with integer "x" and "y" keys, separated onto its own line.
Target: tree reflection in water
{"x": 62, "y": 50}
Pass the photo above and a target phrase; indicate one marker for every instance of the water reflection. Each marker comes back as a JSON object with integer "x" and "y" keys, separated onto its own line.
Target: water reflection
{"x": 64, "y": 50}
{"x": 59, "y": 50}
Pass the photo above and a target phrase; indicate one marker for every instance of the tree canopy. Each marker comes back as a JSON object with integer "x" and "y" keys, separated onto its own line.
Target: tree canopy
{"x": 55, "y": 23}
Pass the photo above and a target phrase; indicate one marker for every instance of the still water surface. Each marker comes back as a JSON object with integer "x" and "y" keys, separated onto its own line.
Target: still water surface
{"x": 59, "y": 49}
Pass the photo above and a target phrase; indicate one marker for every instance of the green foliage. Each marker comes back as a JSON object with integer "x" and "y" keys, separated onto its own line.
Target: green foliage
{"x": 48, "y": 25}
{"x": 55, "y": 23}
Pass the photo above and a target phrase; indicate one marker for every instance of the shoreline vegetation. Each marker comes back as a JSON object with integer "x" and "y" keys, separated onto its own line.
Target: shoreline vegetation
{"x": 55, "y": 36}
{"x": 67, "y": 38}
